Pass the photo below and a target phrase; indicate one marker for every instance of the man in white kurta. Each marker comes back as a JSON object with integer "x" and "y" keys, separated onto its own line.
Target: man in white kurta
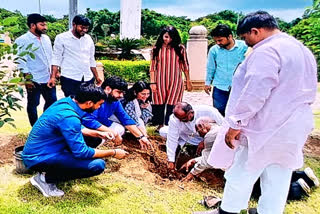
{"x": 181, "y": 129}
{"x": 268, "y": 117}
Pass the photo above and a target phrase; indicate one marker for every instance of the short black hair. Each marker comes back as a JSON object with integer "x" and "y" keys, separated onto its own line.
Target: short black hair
{"x": 90, "y": 92}
{"x": 221, "y": 31}
{"x": 34, "y": 18}
{"x": 259, "y": 19}
{"x": 115, "y": 82}
{"x": 81, "y": 20}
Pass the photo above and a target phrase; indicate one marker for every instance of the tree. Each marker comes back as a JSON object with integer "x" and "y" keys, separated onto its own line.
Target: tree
{"x": 10, "y": 82}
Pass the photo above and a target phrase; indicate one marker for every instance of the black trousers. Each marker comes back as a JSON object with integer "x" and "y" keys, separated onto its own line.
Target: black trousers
{"x": 160, "y": 116}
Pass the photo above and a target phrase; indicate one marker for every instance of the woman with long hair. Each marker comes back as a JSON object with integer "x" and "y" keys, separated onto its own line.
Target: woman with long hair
{"x": 168, "y": 61}
{"x": 137, "y": 104}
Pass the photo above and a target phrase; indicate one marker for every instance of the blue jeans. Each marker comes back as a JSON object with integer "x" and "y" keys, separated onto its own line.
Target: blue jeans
{"x": 33, "y": 97}
{"x": 70, "y": 86}
{"x": 65, "y": 166}
{"x": 220, "y": 99}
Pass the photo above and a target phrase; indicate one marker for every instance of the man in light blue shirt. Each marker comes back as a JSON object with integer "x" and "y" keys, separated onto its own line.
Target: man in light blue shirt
{"x": 223, "y": 59}
{"x": 39, "y": 67}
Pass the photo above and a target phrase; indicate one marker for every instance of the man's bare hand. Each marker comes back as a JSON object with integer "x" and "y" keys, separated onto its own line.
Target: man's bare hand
{"x": 190, "y": 163}
{"x": 120, "y": 153}
{"x": 200, "y": 148}
{"x": 207, "y": 89}
{"x": 99, "y": 81}
{"x": 231, "y": 135}
{"x": 52, "y": 82}
{"x": 106, "y": 136}
{"x": 188, "y": 178}
{"x": 117, "y": 139}
{"x": 171, "y": 166}
{"x": 145, "y": 144}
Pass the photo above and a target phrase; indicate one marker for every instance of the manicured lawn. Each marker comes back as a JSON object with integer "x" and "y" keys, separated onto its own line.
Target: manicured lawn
{"x": 131, "y": 189}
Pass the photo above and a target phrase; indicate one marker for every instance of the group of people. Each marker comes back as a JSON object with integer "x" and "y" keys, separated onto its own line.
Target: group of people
{"x": 256, "y": 128}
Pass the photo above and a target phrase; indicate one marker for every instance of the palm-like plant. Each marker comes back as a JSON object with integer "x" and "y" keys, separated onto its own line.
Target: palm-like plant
{"x": 126, "y": 46}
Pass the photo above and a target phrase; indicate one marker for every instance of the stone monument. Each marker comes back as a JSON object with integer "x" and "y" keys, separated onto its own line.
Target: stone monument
{"x": 197, "y": 48}
{"x": 130, "y": 19}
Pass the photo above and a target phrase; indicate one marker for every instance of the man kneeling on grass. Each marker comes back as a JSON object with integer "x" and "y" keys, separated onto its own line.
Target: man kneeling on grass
{"x": 55, "y": 147}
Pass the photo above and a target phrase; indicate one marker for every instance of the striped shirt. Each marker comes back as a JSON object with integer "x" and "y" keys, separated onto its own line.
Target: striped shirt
{"x": 168, "y": 77}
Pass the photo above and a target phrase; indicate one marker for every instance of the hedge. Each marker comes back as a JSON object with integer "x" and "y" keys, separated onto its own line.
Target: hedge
{"x": 131, "y": 71}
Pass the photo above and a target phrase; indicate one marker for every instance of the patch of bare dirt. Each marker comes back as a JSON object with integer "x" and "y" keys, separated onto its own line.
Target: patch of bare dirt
{"x": 145, "y": 165}
{"x": 312, "y": 146}
{"x": 7, "y": 145}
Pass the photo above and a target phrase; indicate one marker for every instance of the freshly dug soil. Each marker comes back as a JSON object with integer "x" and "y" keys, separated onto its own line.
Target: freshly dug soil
{"x": 155, "y": 162}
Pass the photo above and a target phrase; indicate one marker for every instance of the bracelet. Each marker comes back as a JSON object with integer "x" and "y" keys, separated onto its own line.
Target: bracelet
{"x": 140, "y": 137}
{"x": 115, "y": 153}
{"x": 152, "y": 83}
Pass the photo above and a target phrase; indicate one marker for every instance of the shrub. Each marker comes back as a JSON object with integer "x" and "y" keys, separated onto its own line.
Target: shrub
{"x": 131, "y": 71}
{"x": 10, "y": 82}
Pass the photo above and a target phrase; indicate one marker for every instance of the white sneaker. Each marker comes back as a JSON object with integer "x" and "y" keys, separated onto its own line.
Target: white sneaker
{"x": 304, "y": 186}
{"x": 309, "y": 172}
{"x": 47, "y": 189}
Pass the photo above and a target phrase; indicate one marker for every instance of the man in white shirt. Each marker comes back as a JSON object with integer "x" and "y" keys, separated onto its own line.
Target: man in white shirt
{"x": 181, "y": 131}
{"x": 208, "y": 129}
{"x": 73, "y": 52}
{"x": 36, "y": 69}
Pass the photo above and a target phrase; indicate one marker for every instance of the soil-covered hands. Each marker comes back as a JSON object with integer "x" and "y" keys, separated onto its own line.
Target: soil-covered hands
{"x": 188, "y": 178}
{"x": 145, "y": 144}
{"x": 231, "y": 135}
{"x": 188, "y": 165}
{"x": 171, "y": 166}
{"x": 117, "y": 139}
{"x": 120, "y": 153}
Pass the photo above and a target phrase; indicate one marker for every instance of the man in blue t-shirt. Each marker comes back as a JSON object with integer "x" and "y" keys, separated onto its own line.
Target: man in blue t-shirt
{"x": 223, "y": 59}
{"x": 55, "y": 147}
{"x": 112, "y": 117}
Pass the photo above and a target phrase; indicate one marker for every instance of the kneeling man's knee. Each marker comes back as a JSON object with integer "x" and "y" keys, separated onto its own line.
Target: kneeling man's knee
{"x": 97, "y": 166}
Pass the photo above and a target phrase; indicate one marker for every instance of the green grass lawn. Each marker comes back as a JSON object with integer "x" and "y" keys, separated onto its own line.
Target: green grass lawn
{"x": 119, "y": 192}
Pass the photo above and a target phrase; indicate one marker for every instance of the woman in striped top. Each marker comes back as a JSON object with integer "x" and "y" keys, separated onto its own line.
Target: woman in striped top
{"x": 168, "y": 60}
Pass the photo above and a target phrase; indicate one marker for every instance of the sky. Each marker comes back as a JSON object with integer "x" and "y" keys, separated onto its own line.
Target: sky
{"x": 285, "y": 9}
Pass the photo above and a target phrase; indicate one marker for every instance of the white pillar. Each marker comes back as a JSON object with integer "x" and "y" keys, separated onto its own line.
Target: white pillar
{"x": 130, "y": 19}
{"x": 73, "y": 11}
{"x": 197, "y": 48}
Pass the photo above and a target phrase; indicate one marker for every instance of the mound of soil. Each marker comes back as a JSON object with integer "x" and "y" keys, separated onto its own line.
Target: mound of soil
{"x": 7, "y": 145}
{"x": 154, "y": 162}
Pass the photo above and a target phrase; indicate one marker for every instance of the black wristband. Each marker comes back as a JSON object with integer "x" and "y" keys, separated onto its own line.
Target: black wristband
{"x": 151, "y": 83}
{"x": 140, "y": 137}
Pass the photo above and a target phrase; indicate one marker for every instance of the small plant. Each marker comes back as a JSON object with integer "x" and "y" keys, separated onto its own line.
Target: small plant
{"x": 126, "y": 46}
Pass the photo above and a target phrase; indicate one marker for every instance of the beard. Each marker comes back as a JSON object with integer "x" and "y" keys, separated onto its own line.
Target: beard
{"x": 225, "y": 45}
{"x": 89, "y": 110}
{"x": 39, "y": 32}
{"x": 111, "y": 98}
{"x": 78, "y": 34}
